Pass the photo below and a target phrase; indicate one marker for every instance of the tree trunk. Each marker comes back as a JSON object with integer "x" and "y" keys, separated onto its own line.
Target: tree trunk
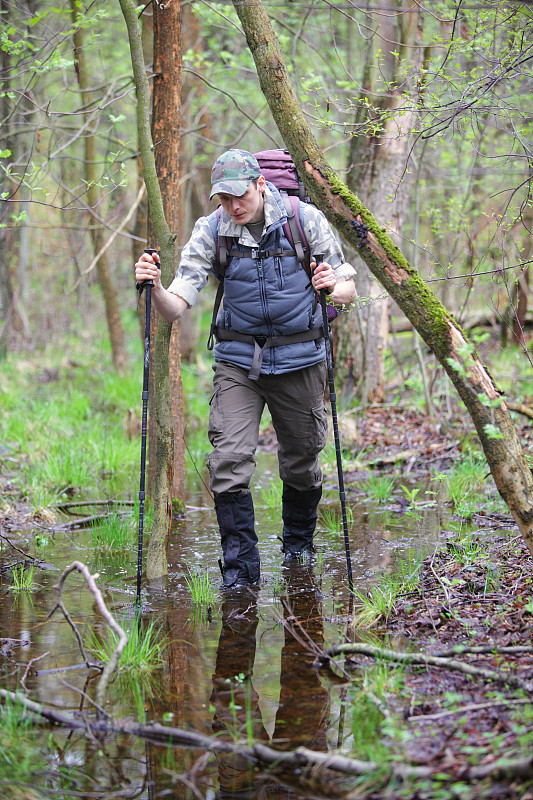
{"x": 377, "y": 168}
{"x": 6, "y": 243}
{"x": 166, "y": 104}
{"x": 519, "y": 320}
{"x": 114, "y": 324}
{"x": 436, "y": 326}
{"x": 195, "y": 113}
{"x": 156, "y": 564}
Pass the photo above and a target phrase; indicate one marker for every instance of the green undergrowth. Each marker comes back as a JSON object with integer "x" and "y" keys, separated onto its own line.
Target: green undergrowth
{"x": 22, "y": 750}
{"x": 70, "y": 424}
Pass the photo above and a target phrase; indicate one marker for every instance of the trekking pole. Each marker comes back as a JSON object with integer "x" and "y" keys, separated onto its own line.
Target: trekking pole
{"x": 333, "y": 401}
{"x": 144, "y": 425}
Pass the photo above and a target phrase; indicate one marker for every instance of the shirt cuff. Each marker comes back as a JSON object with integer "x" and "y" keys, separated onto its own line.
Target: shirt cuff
{"x": 184, "y": 289}
{"x": 344, "y": 272}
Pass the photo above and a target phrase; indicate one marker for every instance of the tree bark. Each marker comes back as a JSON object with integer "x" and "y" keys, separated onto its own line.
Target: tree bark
{"x": 156, "y": 562}
{"x": 519, "y": 321}
{"x": 6, "y": 243}
{"x": 436, "y": 326}
{"x": 114, "y": 324}
{"x": 166, "y": 122}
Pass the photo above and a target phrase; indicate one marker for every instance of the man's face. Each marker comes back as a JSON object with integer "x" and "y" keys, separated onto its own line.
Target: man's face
{"x": 247, "y": 208}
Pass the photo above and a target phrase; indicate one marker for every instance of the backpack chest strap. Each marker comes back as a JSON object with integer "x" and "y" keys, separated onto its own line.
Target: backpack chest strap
{"x": 274, "y": 252}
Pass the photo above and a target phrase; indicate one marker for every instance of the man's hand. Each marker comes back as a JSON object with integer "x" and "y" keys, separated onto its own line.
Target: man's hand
{"x": 323, "y": 277}
{"x": 147, "y": 269}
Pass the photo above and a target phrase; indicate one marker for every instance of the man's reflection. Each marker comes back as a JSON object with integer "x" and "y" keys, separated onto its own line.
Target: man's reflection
{"x": 303, "y": 710}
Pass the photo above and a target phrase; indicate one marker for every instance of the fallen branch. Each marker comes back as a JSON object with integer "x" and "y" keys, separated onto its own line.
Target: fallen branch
{"x": 91, "y": 503}
{"x": 458, "y": 649}
{"x": 262, "y": 754}
{"x": 403, "y": 455}
{"x": 27, "y": 556}
{"x": 520, "y": 408}
{"x": 360, "y": 648}
{"x": 471, "y": 707}
{"x": 82, "y": 522}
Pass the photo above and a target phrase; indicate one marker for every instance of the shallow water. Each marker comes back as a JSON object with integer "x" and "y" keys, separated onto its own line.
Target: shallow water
{"x": 245, "y": 670}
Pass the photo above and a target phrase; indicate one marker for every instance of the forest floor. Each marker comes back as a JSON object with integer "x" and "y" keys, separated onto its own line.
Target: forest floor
{"x": 474, "y": 592}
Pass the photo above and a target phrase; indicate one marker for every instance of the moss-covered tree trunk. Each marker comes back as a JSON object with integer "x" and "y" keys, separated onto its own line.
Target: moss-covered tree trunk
{"x": 437, "y": 327}
{"x": 156, "y": 563}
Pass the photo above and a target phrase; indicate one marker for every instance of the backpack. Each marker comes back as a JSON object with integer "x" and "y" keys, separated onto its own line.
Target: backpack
{"x": 278, "y": 168}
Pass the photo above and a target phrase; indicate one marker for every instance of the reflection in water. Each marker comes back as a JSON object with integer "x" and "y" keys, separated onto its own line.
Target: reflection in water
{"x": 250, "y": 642}
{"x": 303, "y": 710}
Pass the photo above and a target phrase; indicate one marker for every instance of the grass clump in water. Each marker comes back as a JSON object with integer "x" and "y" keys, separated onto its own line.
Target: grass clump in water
{"x": 330, "y": 519}
{"x": 379, "y": 488}
{"x": 377, "y": 604}
{"x": 199, "y": 584}
{"x": 22, "y": 578}
{"x": 20, "y": 753}
{"x": 465, "y": 486}
{"x": 116, "y": 534}
{"x": 142, "y": 654}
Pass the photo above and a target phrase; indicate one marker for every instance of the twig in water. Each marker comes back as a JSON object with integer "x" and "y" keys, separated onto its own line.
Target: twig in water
{"x": 109, "y": 618}
{"x": 29, "y": 666}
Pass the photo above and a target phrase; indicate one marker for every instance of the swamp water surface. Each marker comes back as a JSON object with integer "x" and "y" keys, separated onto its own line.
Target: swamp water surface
{"x": 241, "y": 671}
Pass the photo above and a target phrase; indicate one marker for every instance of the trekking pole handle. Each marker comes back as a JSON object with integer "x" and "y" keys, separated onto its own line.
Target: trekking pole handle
{"x": 318, "y": 259}
{"x": 150, "y": 251}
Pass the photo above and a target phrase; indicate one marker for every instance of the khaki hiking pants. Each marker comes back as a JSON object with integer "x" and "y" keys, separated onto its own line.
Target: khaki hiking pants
{"x": 296, "y": 403}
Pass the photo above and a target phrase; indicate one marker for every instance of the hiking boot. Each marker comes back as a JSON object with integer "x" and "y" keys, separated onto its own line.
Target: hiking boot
{"x": 236, "y": 521}
{"x": 297, "y": 556}
{"x": 299, "y": 512}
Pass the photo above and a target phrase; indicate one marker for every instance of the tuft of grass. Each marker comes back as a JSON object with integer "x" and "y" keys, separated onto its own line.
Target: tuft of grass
{"x": 330, "y": 518}
{"x": 143, "y": 653}
{"x": 22, "y": 578}
{"x": 466, "y": 549}
{"x": 379, "y": 488}
{"x": 202, "y": 591}
{"x": 278, "y": 584}
{"x": 115, "y": 534}
{"x": 20, "y": 751}
{"x": 377, "y": 603}
{"x": 271, "y": 496}
{"x": 466, "y": 484}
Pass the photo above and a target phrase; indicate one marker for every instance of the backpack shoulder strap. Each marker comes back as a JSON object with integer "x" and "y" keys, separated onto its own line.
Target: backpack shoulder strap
{"x": 294, "y": 231}
{"x": 223, "y": 246}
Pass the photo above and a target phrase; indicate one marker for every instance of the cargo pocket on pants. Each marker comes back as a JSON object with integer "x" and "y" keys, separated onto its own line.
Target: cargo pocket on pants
{"x": 214, "y": 428}
{"x": 319, "y": 432}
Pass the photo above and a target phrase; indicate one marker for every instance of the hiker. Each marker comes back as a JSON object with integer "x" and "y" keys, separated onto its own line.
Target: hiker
{"x": 269, "y": 350}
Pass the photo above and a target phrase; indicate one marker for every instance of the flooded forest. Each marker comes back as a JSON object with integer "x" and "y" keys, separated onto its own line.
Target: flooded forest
{"x": 389, "y": 656}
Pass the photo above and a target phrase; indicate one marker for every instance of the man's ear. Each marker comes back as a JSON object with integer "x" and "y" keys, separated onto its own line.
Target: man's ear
{"x": 261, "y": 183}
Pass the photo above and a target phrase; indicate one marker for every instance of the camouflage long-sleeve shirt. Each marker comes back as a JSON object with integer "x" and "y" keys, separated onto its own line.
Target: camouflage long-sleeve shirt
{"x": 199, "y": 253}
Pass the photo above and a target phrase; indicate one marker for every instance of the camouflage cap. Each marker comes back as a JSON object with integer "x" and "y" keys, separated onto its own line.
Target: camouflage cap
{"x": 233, "y": 171}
